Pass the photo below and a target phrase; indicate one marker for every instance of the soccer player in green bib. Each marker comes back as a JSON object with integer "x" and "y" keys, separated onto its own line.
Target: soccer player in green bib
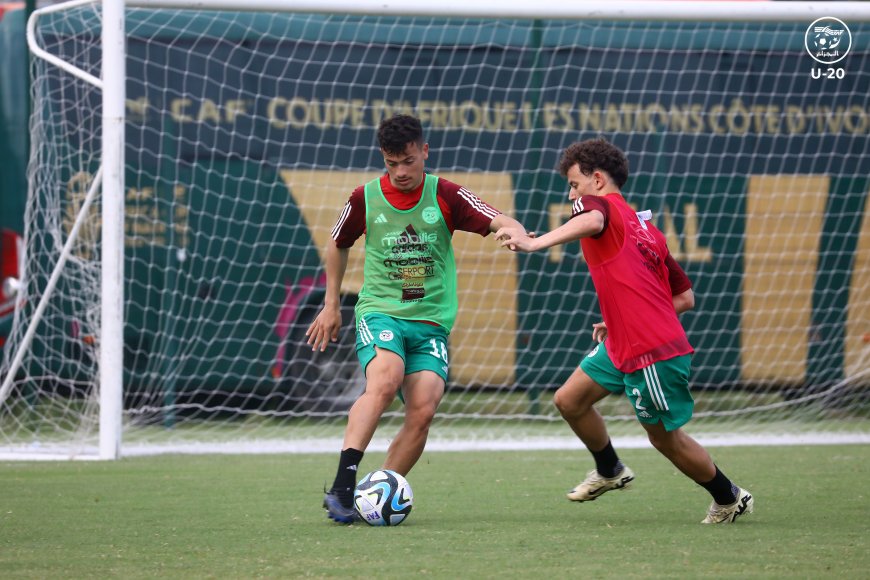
{"x": 407, "y": 305}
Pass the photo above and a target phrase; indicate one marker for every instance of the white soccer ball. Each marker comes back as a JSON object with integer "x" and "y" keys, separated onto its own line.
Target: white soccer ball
{"x": 383, "y": 498}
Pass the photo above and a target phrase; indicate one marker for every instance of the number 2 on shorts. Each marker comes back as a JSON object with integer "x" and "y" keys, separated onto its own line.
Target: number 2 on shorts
{"x": 636, "y": 392}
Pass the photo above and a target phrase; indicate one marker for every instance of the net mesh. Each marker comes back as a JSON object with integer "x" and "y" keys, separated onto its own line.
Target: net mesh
{"x": 246, "y": 133}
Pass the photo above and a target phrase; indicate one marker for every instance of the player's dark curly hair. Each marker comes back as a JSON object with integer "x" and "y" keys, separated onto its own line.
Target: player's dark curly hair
{"x": 595, "y": 154}
{"x": 395, "y": 133}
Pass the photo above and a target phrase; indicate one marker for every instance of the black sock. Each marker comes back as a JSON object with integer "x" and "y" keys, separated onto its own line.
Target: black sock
{"x": 606, "y": 462}
{"x": 345, "y": 478}
{"x": 720, "y": 487}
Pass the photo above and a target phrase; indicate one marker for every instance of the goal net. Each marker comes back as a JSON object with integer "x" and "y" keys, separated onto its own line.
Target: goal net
{"x": 247, "y": 131}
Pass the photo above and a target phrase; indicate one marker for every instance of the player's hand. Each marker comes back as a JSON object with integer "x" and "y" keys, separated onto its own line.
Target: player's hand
{"x": 517, "y": 239}
{"x": 324, "y": 329}
{"x": 599, "y": 332}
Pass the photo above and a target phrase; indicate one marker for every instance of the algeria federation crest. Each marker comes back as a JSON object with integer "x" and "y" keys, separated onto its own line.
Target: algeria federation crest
{"x": 430, "y": 215}
{"x": 828, "y": 40}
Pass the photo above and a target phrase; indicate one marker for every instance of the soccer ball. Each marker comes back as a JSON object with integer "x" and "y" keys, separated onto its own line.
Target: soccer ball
{"x": 383, "y": 498}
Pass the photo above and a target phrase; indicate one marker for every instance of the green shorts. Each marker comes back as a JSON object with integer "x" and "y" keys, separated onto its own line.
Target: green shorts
{"x": 659, "y": 392}
{"x": 422, "y": 346}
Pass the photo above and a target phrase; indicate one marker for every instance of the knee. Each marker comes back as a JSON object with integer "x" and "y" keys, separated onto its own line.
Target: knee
{"x": 420, "y": 416}
{"x": 417, "y": 423}
{"x": 566, "y": 404}
{"x": 384, "y": 389}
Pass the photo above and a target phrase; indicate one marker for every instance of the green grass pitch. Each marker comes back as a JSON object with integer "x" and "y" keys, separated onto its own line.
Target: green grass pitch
{"x": 476, "y": 515}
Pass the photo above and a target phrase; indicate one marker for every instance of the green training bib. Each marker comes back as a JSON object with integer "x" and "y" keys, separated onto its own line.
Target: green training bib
{"x": 410, "y": 271}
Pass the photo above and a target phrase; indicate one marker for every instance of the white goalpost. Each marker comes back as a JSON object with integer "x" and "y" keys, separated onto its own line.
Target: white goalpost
{"x": 112, "y": 271}
{"x": 221, "y": 139}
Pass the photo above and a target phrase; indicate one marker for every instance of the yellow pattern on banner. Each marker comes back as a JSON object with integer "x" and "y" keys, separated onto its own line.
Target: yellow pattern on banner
{"x": 784, "y": 215}
{"x": 857, "y": 346}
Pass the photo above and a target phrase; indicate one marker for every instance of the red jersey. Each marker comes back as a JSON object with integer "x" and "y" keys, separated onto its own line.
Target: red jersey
{"x": 462, "y": 210}
{"x": 635, "y": 279}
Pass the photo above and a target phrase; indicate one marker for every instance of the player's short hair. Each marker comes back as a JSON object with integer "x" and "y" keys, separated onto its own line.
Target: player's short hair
{"x": 396, "y": 132}
{"x": 596, "y": 154}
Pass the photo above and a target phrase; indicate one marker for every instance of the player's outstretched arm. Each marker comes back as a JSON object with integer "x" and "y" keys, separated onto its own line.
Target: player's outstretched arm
{"x": 580, "y": 226}
{"x": 326, "y": 325}
{"x": 502, "y": 224}
{"x": 504, "y": 221}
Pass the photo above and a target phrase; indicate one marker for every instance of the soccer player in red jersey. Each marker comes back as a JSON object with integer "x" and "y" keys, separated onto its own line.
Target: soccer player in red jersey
{"x": 408, "y": 302}
{"x": 642, "y": 349}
